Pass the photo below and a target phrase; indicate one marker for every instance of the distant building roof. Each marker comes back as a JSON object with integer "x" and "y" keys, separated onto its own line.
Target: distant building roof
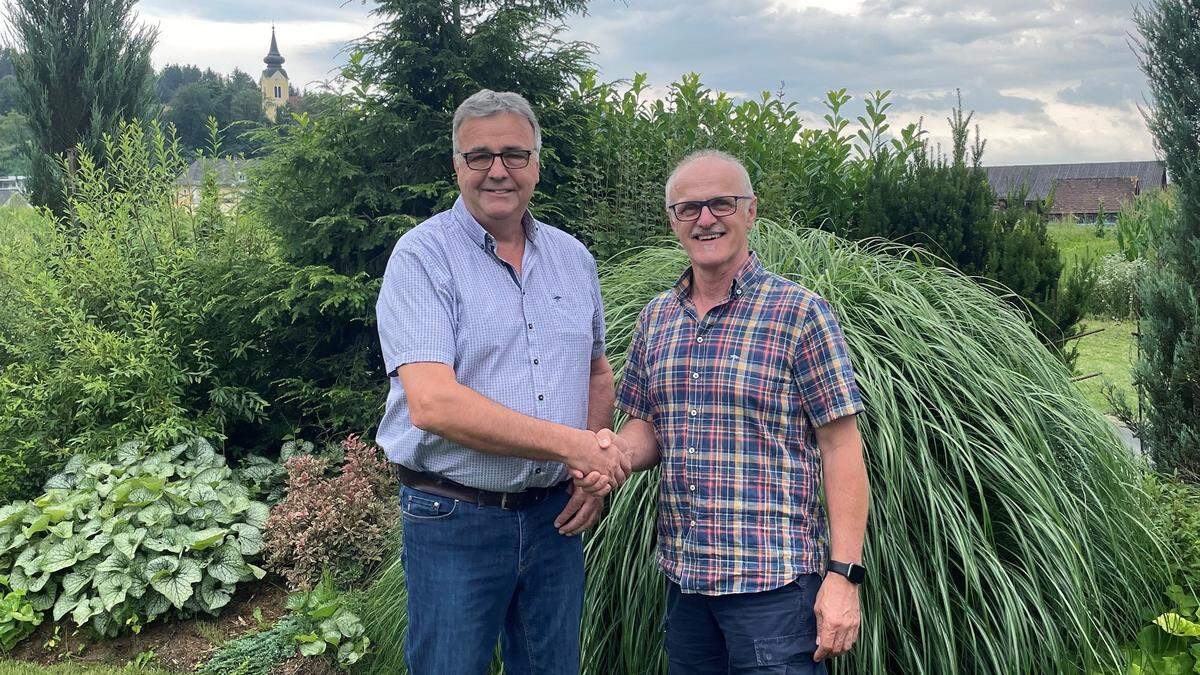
{"x": 1040, "y": 177}
{"x": 1086, "y": 196}
{"x": 229, "y": 172}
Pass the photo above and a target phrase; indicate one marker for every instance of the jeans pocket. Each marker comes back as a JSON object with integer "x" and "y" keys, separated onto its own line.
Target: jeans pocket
{"x": 422, "y": 507}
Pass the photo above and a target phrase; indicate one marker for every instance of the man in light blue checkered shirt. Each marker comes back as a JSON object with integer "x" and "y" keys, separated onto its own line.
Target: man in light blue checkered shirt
{"x": 492, "y": 331}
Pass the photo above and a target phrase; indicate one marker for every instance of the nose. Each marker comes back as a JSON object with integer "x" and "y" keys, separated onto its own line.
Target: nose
{"x": 706, "y": 219}
{"x": 497, "y": 171}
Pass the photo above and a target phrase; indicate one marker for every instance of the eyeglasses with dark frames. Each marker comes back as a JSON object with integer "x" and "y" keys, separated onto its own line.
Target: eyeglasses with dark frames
{"x": 688, "y": 211}
{"x": 481, "y": 160}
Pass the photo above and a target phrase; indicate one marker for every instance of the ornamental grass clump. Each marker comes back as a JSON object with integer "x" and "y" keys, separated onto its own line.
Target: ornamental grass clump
{"x": 338, "y": 522}
{"x": 1009, "y": 528}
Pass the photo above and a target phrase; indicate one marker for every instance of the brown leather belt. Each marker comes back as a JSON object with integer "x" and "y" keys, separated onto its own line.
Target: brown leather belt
{"x": 444, "y": 487}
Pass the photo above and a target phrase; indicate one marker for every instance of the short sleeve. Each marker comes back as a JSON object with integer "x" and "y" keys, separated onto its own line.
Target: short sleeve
{"x": 415, "y": 311}
{"x": 633, "y": 394}
{"x": 822, "y": 367}
{"x": 598, "y": 330}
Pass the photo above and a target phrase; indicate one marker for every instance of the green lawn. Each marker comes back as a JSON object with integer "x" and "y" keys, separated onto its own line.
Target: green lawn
{"x": 1110, "y": 353}
{"x": 8, "y": 667}
{"x": 1077, "y": 243}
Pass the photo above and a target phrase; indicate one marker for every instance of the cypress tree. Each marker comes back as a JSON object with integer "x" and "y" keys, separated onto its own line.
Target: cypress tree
{"x": 81, "y": 67}
{"x": 1169, "y": 369}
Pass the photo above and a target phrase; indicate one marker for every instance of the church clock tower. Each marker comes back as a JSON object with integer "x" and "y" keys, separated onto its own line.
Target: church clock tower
{"x": 274, "y": 81}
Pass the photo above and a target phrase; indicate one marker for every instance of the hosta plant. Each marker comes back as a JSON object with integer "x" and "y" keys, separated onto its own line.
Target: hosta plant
{"x": 118, "y": 544}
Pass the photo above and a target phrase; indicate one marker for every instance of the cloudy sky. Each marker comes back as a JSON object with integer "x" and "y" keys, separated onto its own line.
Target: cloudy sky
{"x": 1050, "y": 80}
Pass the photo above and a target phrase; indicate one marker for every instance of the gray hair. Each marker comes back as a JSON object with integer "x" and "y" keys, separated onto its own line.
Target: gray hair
{"x": 485, "y": 103}
{"x": 704, "y": 154}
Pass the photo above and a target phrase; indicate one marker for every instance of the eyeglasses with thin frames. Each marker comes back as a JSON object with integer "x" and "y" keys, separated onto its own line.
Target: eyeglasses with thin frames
{"x": 481, "y": 160}
{"x": 688, "y": 211}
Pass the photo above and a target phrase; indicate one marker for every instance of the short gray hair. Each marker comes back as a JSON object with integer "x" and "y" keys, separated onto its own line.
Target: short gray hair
{"x": 704, "y": 154}
{"x": 485, "y": 103}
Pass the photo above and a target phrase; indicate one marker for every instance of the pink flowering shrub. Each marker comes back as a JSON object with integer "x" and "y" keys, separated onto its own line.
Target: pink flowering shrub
{"x": 340, "y": 520}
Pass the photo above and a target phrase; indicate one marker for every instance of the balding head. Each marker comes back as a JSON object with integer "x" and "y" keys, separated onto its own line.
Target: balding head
{"x": 707, "y": 157}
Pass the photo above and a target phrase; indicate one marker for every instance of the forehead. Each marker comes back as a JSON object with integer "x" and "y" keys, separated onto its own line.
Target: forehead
{"x": 705, "y": 178}
{"x": 496, "y": 132}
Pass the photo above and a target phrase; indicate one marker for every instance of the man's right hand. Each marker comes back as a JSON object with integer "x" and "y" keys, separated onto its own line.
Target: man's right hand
{"x": 602, "y": 465}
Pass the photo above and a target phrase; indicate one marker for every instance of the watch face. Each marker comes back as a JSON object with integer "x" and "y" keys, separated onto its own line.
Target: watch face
{"x": 856, "y": 573}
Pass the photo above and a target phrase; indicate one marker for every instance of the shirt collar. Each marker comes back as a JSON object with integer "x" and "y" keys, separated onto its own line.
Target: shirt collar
{"x": 747, "y": 275}
{"x": 481, "y": 237}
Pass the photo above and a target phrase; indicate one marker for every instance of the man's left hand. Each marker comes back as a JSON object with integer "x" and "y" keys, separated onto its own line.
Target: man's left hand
{"x": 838, "y": 616}
{"x": 581, "y": 512}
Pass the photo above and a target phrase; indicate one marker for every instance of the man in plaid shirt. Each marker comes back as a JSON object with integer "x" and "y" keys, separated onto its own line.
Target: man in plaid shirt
{"x": 738, "y": 381}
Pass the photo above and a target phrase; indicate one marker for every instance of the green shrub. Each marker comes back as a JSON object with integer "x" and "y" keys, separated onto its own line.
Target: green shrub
{"x": 1117, "y": 280}
{"x": 120, "y": 544}
{"x": 338, "y": 523}
{"x": 329, "y": 624}
{"x": 18, "y": 618}
{"x": 265, "y": 478}
{"x": 136, "y": 321}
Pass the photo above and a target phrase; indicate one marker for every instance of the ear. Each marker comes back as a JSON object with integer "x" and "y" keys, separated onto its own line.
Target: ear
{"x": 752, "y": 210}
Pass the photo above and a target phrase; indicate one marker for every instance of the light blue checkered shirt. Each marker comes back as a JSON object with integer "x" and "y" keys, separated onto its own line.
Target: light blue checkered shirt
{"x": 527, "y": 345}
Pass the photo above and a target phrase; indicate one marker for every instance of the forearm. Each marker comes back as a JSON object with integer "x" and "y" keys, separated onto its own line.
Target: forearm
{"x": 641, "y": 444}
{"x": 468, "y": 418}
{"x": 600, "y": 396}
{"x": 847, "y": 493}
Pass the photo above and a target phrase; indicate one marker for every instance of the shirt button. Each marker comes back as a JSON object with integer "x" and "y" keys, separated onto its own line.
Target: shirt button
{"x": 537, "y": 470}
{"x": 535, "y": 362}
{"x": 530, "y": 326}
{"x": 691, "y": 451}
{"x": 695, "y": 376}
{"x": 541, "y": 398}
{"x": 693, "y": 523}
{"x": 693, "y": 412}
{"x": 699, "y": 339}
{"x": 738, "y": 292}
{"x": 692, "y": 488}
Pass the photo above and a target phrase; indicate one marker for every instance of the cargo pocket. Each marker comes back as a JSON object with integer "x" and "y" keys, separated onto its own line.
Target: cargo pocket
{"x": 785, "y": 650}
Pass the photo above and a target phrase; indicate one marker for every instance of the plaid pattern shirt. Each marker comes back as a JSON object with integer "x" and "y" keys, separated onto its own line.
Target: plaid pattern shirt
{"x": 734, "y": 399}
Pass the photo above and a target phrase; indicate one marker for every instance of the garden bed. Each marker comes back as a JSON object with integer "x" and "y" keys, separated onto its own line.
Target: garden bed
{"x": 177, "y": 646}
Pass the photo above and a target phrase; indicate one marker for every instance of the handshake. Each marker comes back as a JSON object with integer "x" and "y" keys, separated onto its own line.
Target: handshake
{"x": 600, "y": 463}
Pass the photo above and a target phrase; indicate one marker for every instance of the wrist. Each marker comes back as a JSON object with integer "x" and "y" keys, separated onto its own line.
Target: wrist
{"x": 853, "y": 572}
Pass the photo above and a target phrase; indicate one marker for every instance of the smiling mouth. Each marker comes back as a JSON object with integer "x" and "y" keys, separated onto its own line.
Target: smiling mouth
{"x": 708, "y": 236}
{"x": 498, "y": 192}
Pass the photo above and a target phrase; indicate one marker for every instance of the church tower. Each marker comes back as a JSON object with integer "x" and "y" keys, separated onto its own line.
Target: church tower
{"x": 274, "y": 81}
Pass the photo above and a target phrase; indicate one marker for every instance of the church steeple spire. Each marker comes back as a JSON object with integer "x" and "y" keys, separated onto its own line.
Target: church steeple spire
{"x": 273, "y": 59}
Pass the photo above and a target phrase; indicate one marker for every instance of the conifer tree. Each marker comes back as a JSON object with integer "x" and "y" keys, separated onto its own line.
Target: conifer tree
{"x": 1169, "y": 370}
{"x": 81, "y": 67}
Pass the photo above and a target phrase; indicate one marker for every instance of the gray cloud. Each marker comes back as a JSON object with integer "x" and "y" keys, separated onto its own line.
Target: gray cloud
{"x": 1013, "y": 60}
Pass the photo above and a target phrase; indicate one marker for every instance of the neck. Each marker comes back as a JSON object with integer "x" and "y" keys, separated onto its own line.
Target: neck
{"x": 711, "y": 284}
{"x": 504, "y": 232}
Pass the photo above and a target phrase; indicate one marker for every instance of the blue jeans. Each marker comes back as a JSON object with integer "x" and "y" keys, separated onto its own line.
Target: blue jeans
{"x": 745, "y": 633}
{"x": 477, "y": 572}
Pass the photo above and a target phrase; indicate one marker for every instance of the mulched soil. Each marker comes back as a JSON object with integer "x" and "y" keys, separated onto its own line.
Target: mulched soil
{"x": 177, "y": 645}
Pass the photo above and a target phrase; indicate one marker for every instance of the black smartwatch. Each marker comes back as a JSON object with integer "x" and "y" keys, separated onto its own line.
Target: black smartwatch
{"x": 852, "y": 571}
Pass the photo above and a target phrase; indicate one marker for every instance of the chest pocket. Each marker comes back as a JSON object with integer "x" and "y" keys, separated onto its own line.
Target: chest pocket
{"x": 571, "y": 312}
{"x": 756, "y": 383}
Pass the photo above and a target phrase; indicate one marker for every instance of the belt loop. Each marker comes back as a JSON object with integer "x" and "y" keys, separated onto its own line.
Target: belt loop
{"x": 504, "y": 500}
